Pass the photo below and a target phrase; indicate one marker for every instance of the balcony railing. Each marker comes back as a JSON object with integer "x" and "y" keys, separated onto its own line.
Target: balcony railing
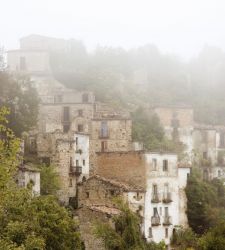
{"x": 155, "y": 220}
{"x": 167, "y": 197}
{"x": 155, "y": 198}
{"x": 167, "y": 221}
{"x": 76, "y": 170}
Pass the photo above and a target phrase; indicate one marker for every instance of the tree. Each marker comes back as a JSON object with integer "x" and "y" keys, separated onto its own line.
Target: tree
{"x": 214, "y": 239}
{"x": 21, "y": 99}
{"x": 27, "y": 222}
{"x": 50, "y": 182}
{"x": 184, "y": 238}
{"x": 205, "y": 203}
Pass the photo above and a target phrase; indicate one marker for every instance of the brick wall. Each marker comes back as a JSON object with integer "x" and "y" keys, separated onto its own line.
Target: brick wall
{"x": 127, "y": 167}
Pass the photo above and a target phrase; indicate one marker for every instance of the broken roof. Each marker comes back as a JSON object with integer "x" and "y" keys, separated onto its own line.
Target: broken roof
{"x": 124, "y": 186}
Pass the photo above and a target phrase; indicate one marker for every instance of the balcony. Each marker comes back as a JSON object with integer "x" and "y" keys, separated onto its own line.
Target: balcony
{"x": 167, "y": 197}
{"x": 76, "y": 170}
{"x": 167, "y": 221}
{"x": 155, "y": 198}
{"x": 155, "y": 220}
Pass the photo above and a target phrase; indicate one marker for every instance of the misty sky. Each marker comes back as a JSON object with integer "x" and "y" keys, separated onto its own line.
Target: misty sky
{"x": 182, "y": 27}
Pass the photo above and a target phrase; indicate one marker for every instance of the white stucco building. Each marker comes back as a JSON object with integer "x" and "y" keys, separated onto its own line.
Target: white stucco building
{"x": 28, "y": 174}
{"x": 165, "y": 200}
{"x": 81, "y": 154}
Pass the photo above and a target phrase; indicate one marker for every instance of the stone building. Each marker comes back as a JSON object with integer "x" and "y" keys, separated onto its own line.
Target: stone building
{"x": 66, "y": 110}
{"x": 33, "y": 56}
{"x": 29, "y": 175}
{"x": 178, "y": 124}
{"x": 165, "y": 199}
{"x": 110, "y": 132}
{"x": 69, "y": 153}
{"x": 205, "y": 144}
{"x": 97, "y": 202}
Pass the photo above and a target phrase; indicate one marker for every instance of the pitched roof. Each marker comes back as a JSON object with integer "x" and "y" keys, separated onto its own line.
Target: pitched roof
{"x": 124, "y": 186}
{"x": 105, "y": 209}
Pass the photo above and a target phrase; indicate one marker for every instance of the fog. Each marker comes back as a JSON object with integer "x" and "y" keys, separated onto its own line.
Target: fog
{"x": 181, "y": 27}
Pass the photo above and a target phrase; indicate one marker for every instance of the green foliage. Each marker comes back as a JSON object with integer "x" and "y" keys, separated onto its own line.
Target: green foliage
{"x": 214, "y": 239}
{"x": 22, "y": 101}
{"x": 147, "y": 129}
{"x": 205, "y": 206}
{"x": 184, "y": 239}
{"x": 126, "y": 234}
{"x": 28, "y": 223}
{"x": 50, "y": 182}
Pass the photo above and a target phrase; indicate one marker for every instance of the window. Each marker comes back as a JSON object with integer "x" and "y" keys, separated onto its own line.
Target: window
{"x": 166, "y": 211}
{"x": 66, "y": 114}
{"x": 70, "y": 182}
{"x": 66, "y": 128}
{"x": 87, "y": 195}
{"x": 71, "y": 161}
{"x": 166, "y": 233}
{"x": 166, "y": 188}
{"x": 219, "y": 173}
{"x": 204, "y": 136}
{"x": 83, "y": 162}
{"x": 85, "y": 98}
{"x": 112, "y": 192}
{"x": 155, "y": 212}
{"x": 154, "y": 164}
{"x": 222, "y": 141}
{"x": 80, "y": 128}
{"x": 77, "y": 162}
{"x": 46, "y": 161}
{"x": 104, "y": 129}
{"x": 80, "y": 112}
{"x": 23, "y": 65}
{"x": 154, "y": 187}
{"x": 58, "y": 99}
{"x": 150, "y": 232}
{"x": 205, "y": 155}
{"x": 165, "y": 165}
{"x": 103, "y": 146}
{"x": 76, "y": 141}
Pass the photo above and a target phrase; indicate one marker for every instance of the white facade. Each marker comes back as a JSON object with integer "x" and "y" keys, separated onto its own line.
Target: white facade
{"x": 81, "y": 155}
{"x": 165, "y": 197}
{"x": 28, "y": 175}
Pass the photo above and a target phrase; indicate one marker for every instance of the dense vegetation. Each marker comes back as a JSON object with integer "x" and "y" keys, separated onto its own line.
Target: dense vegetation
{"x": 143, "y": 76}
{"x": 206, "y": 203}
{"x": 27, "y": 222}
{"x": 206, "y": 216}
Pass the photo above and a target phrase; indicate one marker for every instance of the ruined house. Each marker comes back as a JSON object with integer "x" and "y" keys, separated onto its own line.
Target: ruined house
{"x": 27, "y": 175}
{"x": 97, "y": 203}
{"x": 178, "y": 124}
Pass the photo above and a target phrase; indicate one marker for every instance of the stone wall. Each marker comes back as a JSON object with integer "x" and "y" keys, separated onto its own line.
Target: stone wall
{"x": 183, "y": 114}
